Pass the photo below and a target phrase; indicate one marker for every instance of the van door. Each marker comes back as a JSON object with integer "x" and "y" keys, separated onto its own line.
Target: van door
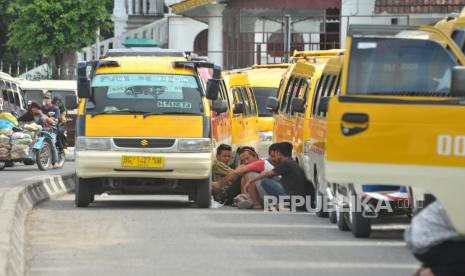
{"x": 253, "y": 126}
{"x": 285, "y": 125}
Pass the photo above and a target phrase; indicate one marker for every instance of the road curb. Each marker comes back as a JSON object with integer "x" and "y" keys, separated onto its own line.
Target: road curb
{"x": 15, "y": 203}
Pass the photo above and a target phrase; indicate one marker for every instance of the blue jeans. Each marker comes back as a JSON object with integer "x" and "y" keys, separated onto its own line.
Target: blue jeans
{"x": 273, "y": 187}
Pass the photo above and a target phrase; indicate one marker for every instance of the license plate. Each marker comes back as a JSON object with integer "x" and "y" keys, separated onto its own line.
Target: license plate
{"x": 142, "y": 162}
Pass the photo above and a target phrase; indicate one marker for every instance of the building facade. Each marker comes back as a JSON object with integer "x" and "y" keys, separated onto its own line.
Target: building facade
{"x": 239, "y": 33}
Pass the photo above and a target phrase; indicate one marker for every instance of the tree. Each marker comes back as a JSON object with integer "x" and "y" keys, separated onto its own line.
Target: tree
{"x": 56, "y": 29}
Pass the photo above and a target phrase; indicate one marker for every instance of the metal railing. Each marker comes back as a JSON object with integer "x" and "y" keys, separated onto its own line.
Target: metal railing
{"x": 157, "y": 30}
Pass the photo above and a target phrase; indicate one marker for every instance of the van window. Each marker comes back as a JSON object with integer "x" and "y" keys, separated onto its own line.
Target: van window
{"x": 319, "y": 89}
{"x": 459, "y": 37}
{"x": 17, "y": 100}
{"x": 34, "y": 96}
{"x": 147, "y": 93}
{"x": 292, "y": 91}
{"x": 337, "y": 87}
{"x": 4, "y": 90}
{"x": 238, "y": 98}
{"x": 11, "y": 98}
{"x": 285, "y": 98}
{"x": 298, "y": 92}
{"x": 253, "y": 104}
{"x": 62, "y": 95}
{"x": 261, "y": 96}
{"x": 245, "y": 98}
{"x": 399, "y": 66}
{"x": 329, "y": 87}
{"x": 224, "y": 94}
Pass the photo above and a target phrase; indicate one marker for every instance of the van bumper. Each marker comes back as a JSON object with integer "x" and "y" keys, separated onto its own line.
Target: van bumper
{"x": 97, "y": 164}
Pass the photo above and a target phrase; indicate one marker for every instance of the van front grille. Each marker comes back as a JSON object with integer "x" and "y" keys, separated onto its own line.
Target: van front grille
{"x": 142, "y": 143}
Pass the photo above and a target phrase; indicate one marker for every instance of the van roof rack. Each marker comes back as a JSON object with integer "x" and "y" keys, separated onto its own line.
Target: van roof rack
{"x": 319, "y": 53}
{"x": 144, "y": 51}
{"x": 270, "y": 66}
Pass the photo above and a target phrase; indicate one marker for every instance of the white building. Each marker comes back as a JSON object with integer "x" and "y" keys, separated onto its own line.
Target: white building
{"x": 238, "y": 33}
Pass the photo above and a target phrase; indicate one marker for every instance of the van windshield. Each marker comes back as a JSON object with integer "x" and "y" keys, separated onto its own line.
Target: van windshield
{"x": 146, "y": 94}
{"x": 392, "y": 66}
{"x": 261, "y": 95}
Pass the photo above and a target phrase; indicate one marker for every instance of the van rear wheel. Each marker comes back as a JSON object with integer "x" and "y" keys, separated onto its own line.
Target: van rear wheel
{"x": 203, "y": 194}
{"x": 359, "y": 224}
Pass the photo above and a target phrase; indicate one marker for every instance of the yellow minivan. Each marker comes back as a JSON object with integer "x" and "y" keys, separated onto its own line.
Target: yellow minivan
{"x": 293, "y": 106}
{"x": 327, "y": 85}
{"x": 454, "y": 27}
{"x": 398, "y": 120}
{"x": 240, "y": 125}
{"x": 265, "y": 81}
{"x": 144, "y": 125}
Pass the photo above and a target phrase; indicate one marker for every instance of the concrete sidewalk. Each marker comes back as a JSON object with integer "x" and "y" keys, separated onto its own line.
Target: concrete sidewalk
{"x": 15, "y": 203}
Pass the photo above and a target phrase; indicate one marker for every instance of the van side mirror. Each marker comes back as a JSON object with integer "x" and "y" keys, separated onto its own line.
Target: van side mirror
{"x": 323, "y": 106}
{"x": 272, "y": 104}
{"x": 213, "y": 84}
{"x": 298, "y": 105}
{"x": 71, "y": 102}
{"x": 238, "y": 108}
{"x": 83, "y": 82}
{"x": 457, "y": 87}
{"x": 220, "y": 106}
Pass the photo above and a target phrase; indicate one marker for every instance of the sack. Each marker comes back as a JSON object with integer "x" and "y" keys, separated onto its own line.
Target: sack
{"x": 31, "y": 134}
{"x": 4, "y": 141}
{"x": 32, "y": 127}
{"x": 23, "y": 141}
{"x": 17, "y": 135}
{"x": 19, "y": 152}
{"x": 6, "y": 131}
{"x": 6, "y": 124}
{"x": 4, "y": 154}
{"x": 9, "y": 117}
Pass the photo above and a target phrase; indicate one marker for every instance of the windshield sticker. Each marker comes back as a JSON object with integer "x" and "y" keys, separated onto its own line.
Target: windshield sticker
{"x": 172, "y": 104}
{"x": 120, "y": 80}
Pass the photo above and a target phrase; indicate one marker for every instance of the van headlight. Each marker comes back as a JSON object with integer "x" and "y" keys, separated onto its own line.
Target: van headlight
{"x": 195, "y": 145}
{"x": 266, "y": 136}
{"x": 92, "y": 143}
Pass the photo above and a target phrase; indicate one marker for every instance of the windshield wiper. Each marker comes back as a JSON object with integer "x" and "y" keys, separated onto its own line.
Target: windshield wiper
{"x": 171, "y": 113}
{"x": 117, "y": 112}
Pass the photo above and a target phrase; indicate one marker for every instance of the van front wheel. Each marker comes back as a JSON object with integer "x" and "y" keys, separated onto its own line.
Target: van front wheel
{"x": 83, "y": 196}
{"x": 203, "y": 195}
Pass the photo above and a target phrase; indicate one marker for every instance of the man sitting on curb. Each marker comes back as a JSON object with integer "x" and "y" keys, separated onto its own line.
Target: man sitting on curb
{"x": 293, "y": 181}
{"x": 220, "y": 169}
{"x": 249, "y": 163}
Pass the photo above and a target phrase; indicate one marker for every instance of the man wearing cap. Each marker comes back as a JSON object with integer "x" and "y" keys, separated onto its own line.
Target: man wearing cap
{"x": 49, "y": 107}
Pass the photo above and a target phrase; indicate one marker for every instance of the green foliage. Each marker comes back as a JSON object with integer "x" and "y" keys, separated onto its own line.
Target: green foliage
{"x": 52, "y": 28}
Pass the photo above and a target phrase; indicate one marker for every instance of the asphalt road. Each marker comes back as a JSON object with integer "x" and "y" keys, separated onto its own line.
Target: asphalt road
{"x": 20, "y": 173}
{"x": 116, "y": 236}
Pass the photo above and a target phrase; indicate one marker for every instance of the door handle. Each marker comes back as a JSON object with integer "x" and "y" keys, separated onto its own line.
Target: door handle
{"x": 361, "y": 119}
{"x": 357, "y": 118}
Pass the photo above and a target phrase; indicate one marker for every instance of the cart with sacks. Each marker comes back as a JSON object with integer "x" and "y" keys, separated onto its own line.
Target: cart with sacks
{"x": 29, "y": 144}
